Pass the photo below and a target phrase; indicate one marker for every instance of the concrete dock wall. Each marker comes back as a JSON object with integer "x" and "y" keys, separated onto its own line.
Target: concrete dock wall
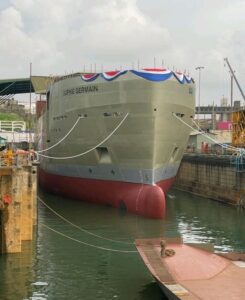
{"x": 212, "y": 176}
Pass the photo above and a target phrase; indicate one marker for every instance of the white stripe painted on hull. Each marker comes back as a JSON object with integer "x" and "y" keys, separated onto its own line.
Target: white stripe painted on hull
{"x": 110, "y": 172}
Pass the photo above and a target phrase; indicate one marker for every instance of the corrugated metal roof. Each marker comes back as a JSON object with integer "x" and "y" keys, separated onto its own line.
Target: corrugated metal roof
{"x": 37, "y": 84}
{"x": 15, "y": 86}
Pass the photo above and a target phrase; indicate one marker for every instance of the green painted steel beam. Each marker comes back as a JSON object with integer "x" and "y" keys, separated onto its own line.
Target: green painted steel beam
{"x": 15, "y": 86}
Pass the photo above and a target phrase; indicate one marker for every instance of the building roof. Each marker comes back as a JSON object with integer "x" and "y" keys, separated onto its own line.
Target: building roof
{"x": 37, "y": 84}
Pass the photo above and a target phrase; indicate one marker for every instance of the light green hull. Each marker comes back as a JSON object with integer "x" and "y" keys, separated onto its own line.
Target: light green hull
{"x": 146, "y": 148}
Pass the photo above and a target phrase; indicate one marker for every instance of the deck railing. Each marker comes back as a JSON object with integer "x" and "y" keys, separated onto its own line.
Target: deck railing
{"x": 12, "y": 126}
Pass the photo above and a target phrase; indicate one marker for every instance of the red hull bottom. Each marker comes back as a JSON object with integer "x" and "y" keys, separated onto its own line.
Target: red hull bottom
{"x": 142, "y": 199}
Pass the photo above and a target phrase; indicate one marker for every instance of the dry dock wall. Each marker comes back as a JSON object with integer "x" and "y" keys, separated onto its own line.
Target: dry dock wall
{"x": 213, "y": 177}
{"x": 18, "y": 210}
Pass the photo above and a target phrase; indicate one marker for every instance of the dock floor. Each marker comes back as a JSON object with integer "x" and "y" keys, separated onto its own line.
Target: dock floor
{"x": 194, "y": 273}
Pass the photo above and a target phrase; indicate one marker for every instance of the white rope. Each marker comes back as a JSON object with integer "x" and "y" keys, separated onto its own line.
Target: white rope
{"x": 91, "y": 149}
{"x": 39, "y": 151}
{"x": 207, "y": 136}
{"x": 240, "y": 150}
{"x": 80, "y": 228}
{"x": 140, "y": 190}
{"x": 87, "y": 244}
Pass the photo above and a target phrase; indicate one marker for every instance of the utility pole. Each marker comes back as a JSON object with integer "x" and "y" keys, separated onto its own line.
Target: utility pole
{"x": 30, "y": 144}
{"x": 231, "y": 90}
{"x": 199, "y": 68}
{"x": 213, "y": 118}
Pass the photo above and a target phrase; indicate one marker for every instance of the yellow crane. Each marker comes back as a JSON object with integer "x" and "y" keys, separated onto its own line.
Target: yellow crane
{"x": 238, "y": 117}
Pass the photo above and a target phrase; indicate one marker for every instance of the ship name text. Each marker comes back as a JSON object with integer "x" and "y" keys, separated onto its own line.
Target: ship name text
{"x": 81, "y": 90}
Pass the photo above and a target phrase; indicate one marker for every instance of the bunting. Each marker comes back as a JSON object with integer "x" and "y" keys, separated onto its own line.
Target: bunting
{"x": 89, "y": 77}
{"x": 154, "y": 74}
{"x": 180, "y": 77}
{"x": 109, "y": 76}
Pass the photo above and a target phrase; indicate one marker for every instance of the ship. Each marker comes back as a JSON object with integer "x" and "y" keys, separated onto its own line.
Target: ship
{"x": 116, "y": 138}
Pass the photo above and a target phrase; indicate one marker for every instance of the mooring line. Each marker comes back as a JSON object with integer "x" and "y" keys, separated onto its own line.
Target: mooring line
{"x": 213, "y": 140}
{"x": 75, "y": 124}
{"x": 87, "y": 244}
{"x": 89, "y": 150}
{"x": 239, "y": 150}
{"x": 140, "y": 190}
{"x": 80, "y": 228}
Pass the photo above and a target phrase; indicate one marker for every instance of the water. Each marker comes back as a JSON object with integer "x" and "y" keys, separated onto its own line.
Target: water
{"x": 57, "y": 265}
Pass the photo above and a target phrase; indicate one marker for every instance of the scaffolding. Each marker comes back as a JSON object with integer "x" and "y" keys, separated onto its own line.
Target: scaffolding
{"x": 238, "y": 128}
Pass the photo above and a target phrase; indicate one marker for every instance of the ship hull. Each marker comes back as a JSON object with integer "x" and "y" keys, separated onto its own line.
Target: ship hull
{"x": 115, "y": 142}
{"x": 142, "y": 199}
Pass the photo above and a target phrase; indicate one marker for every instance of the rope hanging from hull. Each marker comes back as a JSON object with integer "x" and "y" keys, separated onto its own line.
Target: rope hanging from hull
{"x": 75, "y": 124}
{"x": 240, "y": 151}
{"x": 87, "y": 151}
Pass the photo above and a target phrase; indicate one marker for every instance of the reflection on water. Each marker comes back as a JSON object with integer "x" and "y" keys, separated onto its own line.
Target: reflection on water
{"x": 203, "y": 220}
{"x": 59, "y": 264}
{"x": 16, "y": 272}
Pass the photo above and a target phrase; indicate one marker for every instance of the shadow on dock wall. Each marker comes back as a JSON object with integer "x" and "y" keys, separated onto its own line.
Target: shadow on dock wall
{"x": 2, "y": 234}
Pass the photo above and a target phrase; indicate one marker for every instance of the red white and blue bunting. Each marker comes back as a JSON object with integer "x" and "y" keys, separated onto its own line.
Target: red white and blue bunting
{"x": 189, "y": 79}
{"x": 148, "y": 74}
{"x": 90, "y": 77}
{"x": 180, "y": 77}
{"x": 109, "y": 76}
{"x": 154, "y": 74}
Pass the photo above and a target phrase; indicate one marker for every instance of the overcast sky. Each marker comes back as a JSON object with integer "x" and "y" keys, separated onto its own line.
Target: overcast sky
{"x": 62, "y": 36}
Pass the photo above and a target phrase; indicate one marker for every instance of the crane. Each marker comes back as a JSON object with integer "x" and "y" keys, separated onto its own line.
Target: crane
{"x": 234, "y": 76}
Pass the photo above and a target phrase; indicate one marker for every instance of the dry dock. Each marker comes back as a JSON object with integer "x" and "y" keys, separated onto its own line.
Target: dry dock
{"x": 18, "y": 211}
{"x": 218, "y": 177}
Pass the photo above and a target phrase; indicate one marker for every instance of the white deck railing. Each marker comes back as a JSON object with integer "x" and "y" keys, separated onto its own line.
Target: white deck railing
{"x": 12, "y": 126}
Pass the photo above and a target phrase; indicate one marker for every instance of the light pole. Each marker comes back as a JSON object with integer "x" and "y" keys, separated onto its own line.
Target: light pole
{"x": 199, "y": 91}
